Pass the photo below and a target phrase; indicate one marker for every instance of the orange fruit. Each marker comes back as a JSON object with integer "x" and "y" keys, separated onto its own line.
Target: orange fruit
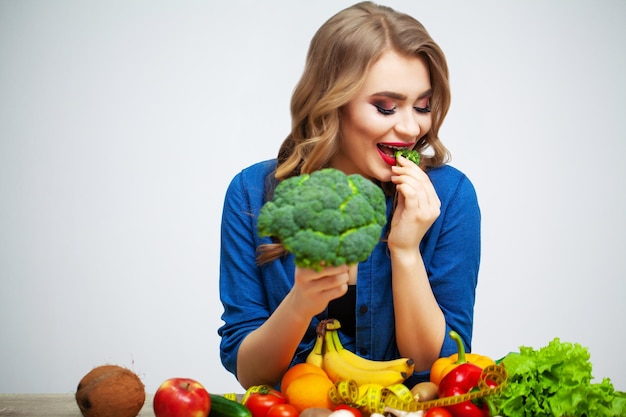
{"x": 298, "y": 370}
{"x": 309, "y": 390}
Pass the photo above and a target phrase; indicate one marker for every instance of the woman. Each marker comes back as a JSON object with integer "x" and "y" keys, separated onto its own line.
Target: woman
{"x": 374, "y": 81}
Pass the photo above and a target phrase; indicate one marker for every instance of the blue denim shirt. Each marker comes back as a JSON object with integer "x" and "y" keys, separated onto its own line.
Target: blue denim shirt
{"x": 250, "y": 293}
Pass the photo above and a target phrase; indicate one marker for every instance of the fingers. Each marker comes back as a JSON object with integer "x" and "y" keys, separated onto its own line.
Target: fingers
{"x": 414, "y": 185}
{"x": 326, "y": 271}
{"x": 328, "y": 279}
{"x": 315, "y": 289}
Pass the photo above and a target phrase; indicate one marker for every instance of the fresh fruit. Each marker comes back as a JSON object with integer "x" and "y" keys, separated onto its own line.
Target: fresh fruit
{"x": 224, "y": 407}
{"x": 110, "y": 390}
{"x": 260, "y": 402}
{"x": 405, "y": 365}
{"x": 309, "y": 390}
{"x": 437, "y": 412}
{"x": 316, "y": 357}
{"x": 339, "y": 369}
{"x": 283, "y": 410}
{"x": 296, "y": 371}
{"x": 316, "y": 412}
{"x": 424, "y": 391}
{"x": 181, "y": 397}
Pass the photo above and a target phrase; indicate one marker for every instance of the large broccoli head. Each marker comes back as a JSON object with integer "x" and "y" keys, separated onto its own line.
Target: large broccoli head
{"x": 326, "y": 218}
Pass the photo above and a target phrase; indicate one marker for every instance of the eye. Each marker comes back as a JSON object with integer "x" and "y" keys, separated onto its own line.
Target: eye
{"x": 422, "y": 109}
{"x": 385, "y": 110}
{"x": 423, "y": 105}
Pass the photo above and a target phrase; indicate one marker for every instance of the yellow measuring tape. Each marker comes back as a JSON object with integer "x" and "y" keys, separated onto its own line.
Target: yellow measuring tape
{"x": 370, "y": 397}
{"x": 252, "y": 390}
{"x": 375, "y": 398}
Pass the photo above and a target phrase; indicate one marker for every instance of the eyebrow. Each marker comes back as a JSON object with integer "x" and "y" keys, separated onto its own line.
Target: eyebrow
{"x": 398, "y": 96}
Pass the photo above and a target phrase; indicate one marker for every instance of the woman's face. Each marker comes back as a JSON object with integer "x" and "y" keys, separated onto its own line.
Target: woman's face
{"x": 392, "y": 110}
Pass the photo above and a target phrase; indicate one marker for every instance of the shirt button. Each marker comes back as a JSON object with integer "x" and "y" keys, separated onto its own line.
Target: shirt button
{"x": 363, "y": 352}
{"x": 363, "y": 309}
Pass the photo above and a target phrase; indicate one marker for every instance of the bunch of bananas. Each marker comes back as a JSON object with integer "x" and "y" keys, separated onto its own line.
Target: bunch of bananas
{"x": 341, "y": 364}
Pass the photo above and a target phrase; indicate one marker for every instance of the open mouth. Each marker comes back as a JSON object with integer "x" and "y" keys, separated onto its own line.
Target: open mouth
{"x": 390, "y": 150}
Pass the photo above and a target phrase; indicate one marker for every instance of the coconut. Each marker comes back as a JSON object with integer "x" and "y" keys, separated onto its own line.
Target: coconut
{"x": 110, "y": 391}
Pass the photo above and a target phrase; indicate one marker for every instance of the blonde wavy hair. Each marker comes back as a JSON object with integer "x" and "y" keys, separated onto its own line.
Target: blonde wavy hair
{"x": 339, "y": 57}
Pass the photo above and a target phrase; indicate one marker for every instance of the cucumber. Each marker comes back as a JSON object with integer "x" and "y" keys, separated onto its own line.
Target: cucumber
{"x": 223, "y": 407}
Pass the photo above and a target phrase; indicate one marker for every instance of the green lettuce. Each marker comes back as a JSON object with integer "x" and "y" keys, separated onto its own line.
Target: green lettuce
{"x": 556, "y": 381}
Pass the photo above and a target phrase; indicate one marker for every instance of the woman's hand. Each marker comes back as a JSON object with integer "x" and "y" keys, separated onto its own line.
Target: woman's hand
{"x": 420, "y": 323}
{"x": 268, "y": 350}
{"x": 313, "y": 290}
{"x": 418, "y": 206}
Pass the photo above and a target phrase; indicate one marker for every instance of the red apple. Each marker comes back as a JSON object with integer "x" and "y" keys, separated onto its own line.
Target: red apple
{"x": 181, "y": 397}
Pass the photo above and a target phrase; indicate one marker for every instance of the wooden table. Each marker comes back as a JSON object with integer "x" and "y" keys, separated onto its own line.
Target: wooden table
{"x": 51, "y": 405}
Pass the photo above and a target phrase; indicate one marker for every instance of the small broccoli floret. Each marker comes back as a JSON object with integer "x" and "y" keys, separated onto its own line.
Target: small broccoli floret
{"x": 409, "y": 154}
{"x": 326, "y": 218}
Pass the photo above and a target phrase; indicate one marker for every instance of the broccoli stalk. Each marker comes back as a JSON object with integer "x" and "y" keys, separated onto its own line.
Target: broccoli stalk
{"x": 409, "y": 154}
{"x": 326, "y": 218}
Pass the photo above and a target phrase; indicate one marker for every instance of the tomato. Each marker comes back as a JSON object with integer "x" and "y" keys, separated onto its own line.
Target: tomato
{"x": 259, "y": 403}
{"x": 355, "y": 411}
{"x": 283, "y": 410}
{"x": 437, "y": 412}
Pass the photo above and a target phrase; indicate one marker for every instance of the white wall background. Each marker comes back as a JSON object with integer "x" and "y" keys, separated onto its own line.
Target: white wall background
{"x": 122, "y": 122}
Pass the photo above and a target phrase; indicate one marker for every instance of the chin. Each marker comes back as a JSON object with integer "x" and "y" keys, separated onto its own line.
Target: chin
{"x": 380, "y": 174}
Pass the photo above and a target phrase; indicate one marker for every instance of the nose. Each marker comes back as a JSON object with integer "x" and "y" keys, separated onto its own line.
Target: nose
{"x": 408, "y": 126}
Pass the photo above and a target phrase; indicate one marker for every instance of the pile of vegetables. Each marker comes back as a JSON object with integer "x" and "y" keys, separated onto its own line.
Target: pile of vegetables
{"x": 555, "y": 381}
{"x": 552, "y": 381}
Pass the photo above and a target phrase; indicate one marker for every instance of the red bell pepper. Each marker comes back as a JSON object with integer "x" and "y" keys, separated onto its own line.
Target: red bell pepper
{"x": 461, "y": 380}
